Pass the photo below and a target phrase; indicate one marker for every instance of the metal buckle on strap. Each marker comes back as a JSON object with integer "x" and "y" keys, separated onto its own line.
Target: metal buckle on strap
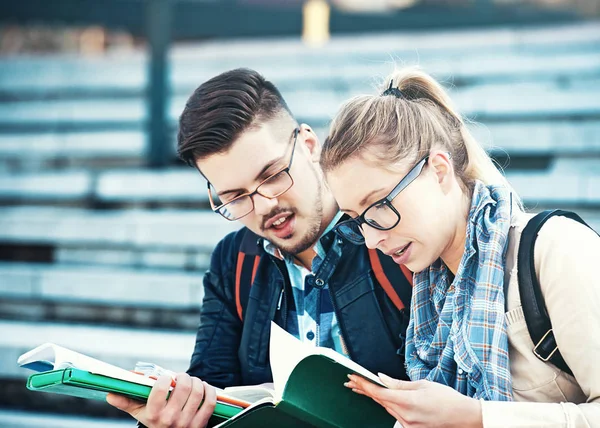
{"x": 535, "y": 351}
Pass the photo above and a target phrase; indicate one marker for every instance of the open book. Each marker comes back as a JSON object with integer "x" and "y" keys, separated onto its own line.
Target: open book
{"x": 308, "y": 391}
{"x": 307, "y": 387}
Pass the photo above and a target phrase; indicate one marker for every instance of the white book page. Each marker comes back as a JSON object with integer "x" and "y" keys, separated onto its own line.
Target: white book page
{"x": 251, "y": 394}
{"x": 63, "y": 358}
{"x": 286, "y": 352}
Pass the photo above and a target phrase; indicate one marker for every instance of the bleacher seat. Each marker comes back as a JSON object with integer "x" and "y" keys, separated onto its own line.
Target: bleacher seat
{"x": 123, "y": 346}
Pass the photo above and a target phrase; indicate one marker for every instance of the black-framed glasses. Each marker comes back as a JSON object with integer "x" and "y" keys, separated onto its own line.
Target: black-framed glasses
{"x": 271, "y": 187}
{"x": 382, "y": 214}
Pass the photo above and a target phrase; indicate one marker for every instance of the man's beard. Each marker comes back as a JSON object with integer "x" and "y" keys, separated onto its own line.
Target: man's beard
{"x": 312, "y": 234}
{"x": 310, "y": 237}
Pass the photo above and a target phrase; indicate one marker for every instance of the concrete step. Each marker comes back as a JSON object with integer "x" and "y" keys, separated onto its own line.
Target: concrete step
{"x": 123, "y": 347}
{"x": 101, "y": 285}
{"x": 122, "y": 188}
{"x": 24, "y": 419}
{"x": 464, "y": 55}
{"x": 49, "y": 151}
{"x": 158, "y": 230}
{"x": 535, "y": 101}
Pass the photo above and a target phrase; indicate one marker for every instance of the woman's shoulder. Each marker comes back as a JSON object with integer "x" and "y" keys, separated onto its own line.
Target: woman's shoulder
{"x": 563, "y": 246}
{"x": 565, "y": 253}
{"x": 561, "y": 229}
{"x": 556, "y": 234}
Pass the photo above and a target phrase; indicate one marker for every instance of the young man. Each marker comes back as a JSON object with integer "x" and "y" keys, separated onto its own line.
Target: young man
{"x": 262, "y": 169}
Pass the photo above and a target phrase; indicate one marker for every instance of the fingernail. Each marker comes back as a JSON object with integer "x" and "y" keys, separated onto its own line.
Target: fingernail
{"x": 383, "y": 376}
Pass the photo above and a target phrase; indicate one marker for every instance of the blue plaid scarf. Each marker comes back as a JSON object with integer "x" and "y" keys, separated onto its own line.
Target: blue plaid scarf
{"x": 457, "y": 332}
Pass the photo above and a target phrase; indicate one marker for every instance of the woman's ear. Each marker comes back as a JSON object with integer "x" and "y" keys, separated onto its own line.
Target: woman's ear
{"x": 311, "y": 141}
{"x": 441, "y": 164}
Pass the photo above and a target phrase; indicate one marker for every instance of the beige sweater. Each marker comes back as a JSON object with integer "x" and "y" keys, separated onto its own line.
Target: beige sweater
{"x": 567, "y": 262}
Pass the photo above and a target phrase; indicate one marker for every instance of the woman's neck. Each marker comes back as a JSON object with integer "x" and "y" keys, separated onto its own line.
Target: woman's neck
{"x": 455, "y": 250}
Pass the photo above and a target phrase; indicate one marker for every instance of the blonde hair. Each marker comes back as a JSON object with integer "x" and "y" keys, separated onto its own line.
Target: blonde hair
{"x": 402, "y": 125}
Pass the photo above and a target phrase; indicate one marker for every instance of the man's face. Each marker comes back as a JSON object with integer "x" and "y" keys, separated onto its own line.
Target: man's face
{"x": 293, "y": 220}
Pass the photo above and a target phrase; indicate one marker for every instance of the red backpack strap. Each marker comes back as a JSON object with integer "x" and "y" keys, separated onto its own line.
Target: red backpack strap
{"x": 395, "y": 280}
{"x": 245, "y": 272}
{"x": 246, "y": 265}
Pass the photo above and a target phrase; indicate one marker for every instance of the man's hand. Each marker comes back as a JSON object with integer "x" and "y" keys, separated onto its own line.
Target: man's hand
{"x": 181, "y": 410}
{"x": 421, "y": 404}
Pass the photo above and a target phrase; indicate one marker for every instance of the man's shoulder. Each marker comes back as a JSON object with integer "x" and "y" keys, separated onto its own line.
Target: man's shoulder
{"x": 241, "y": 240}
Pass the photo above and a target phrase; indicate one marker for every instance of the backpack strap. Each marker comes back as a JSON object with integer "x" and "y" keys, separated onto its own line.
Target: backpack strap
{"x": 534, "y": 308}
{"x": 395, "y": 280}
{"x": 245, "y": 270}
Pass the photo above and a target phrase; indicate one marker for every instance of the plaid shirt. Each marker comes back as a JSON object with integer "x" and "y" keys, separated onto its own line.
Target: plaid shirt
{"x": 457, "y": 333}
{"x": 316, "y": 322}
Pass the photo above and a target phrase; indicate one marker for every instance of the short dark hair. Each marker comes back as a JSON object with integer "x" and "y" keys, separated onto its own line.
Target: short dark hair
{"x": 224, "y": 107}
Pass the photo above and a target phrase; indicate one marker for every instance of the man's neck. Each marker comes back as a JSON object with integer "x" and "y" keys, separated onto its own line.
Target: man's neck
{"x": 306, "y": 257}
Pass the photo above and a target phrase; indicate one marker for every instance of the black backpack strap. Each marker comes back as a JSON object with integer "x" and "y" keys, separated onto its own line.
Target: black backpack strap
{"x": 395, "y": 280}
{"x": 245, "y": 270}
{"x": 534, "y": 308}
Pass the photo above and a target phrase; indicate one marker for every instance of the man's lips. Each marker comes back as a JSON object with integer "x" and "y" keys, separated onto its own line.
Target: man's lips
{"x": 269, "y": 223}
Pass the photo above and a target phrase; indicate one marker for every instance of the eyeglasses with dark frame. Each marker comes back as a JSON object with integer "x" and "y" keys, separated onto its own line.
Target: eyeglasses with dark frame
{"x": 382, "y": 214}
{"x": 271, "y": 187}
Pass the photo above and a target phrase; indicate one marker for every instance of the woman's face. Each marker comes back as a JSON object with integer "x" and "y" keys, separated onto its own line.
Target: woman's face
{"x": 428, "y": 221}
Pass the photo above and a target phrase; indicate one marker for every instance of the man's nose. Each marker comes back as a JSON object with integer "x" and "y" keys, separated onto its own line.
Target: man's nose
{"x": 263, "y": 205}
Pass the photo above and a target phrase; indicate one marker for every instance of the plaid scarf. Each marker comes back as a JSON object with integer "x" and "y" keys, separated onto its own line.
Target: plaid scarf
{"x": 457, "y": 332}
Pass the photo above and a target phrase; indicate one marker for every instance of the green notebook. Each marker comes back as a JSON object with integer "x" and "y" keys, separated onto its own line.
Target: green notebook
{"x": 83, "y": 384}
{"x": 314, "y": 396}
{"x": 307, "y": 391}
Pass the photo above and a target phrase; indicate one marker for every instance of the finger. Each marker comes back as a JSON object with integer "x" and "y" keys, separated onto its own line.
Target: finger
{"x": 125, "y": 404}
{"x": 381, "y": 403}
{"x": 179, "y": 394}
{"x": 118, "y": 401}
{"x": 208, "y": 407}
{"x": 193, "y": 402}
{"x": 350, "y": 384}
{"x": 392, "y": 383}
{"x": 378, "y": 392}
{"x": 157, "y": 400}
{"x": 356, "y": 389}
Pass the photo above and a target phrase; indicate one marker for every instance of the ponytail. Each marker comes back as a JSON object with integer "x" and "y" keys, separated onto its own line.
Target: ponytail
{"x": 412, "y": 115}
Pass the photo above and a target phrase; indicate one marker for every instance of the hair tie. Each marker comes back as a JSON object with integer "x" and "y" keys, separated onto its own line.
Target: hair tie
{"x": 392, "y": 91}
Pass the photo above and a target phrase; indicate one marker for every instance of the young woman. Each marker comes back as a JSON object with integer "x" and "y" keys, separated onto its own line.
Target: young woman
{"x": 418, "y": 187}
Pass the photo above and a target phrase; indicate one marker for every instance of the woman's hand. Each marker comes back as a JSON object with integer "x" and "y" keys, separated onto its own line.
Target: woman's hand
{"x": 422, "y": 403}
{"x": 182, "y": 409}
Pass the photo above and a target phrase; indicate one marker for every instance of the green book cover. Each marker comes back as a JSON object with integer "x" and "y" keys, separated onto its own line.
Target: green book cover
{"x": 314, "y": 396}
{"x": 309, "y": 391}
{"x": 83, "y": 384}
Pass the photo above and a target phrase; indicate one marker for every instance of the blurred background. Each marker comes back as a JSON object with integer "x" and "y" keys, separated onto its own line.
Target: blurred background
{"x": 105, "y": 235}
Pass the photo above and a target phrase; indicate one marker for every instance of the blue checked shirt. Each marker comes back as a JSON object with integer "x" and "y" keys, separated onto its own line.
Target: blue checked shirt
{"x": 316, "y": 321}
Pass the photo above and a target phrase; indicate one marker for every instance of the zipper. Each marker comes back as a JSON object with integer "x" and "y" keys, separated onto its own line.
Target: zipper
{"x": 342, "y": 327}
{"x": 282, "y": 302}
{"x": 319, "y": 284}
{"x": 318, "y": 320}
{"x": 280, "y": 299}
{"x": 340, "y": 322}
